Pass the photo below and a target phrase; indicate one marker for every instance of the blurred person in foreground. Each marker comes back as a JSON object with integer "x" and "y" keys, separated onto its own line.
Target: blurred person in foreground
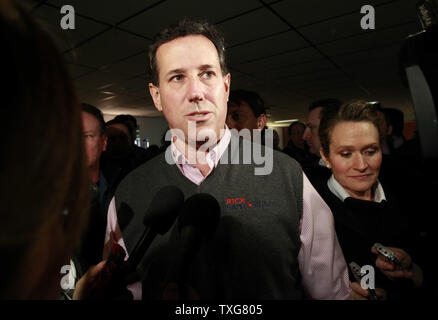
{"x": 44, "y": 187}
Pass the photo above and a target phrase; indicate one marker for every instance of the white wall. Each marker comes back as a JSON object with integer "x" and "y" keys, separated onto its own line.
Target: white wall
{"x": 150, "y": 128}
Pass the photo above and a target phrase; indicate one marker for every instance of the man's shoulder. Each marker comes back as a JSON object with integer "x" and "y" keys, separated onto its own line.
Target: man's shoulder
{"x": 278, "y": 155}
{"x": 285, "y": 161}
{"x": 143, "y": 173}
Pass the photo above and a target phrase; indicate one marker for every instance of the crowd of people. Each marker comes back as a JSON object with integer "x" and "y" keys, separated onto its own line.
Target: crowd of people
{"x": 343, "y": 185}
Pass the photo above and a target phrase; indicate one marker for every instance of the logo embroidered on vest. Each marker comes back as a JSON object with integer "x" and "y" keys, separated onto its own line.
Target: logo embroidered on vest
{"x": 242, "y": 203}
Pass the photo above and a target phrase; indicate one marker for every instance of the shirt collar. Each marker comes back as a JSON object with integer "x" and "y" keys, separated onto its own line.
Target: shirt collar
{"x": 213, "y": 155}
{"x": 342, "y": 194}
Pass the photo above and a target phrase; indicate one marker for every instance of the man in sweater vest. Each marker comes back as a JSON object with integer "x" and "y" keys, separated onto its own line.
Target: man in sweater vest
{"x": 275, "y": 238}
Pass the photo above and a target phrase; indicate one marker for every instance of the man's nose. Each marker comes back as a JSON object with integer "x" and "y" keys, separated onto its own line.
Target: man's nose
{"x": 195, "y": 90}
{"x": 306, "y": 134}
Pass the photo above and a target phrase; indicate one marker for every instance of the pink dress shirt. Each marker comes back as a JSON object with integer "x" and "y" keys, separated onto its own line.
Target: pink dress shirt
{"x": 322, "y": 264}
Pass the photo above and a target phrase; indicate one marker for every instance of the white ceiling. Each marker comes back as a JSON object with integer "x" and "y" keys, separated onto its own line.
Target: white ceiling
{"x": 290, "y": 51}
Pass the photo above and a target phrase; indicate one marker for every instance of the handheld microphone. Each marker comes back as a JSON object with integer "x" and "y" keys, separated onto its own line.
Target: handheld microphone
{"x": 197, "y": 222}
{"x": 158, "y": 219}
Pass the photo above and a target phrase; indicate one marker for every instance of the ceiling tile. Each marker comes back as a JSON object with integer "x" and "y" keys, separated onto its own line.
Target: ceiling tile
{"x": 129, "y": 85}
{"x": 264, "y": 48}
{"x": 50, "y": 19}
{"x": 99, "y": 81}
{"x": 368, "y": 56}
{"x": 132, "y": 66}
{"x": 318, "y": 68}
{"x": 78, "y": 71}
{"x": 106, "y": 11}
{"x": 349, "y": 25}
{"x": 333, "y": 29}
{"x": 109, "y": 47}
{"x": 28, "y": 4}
{"x": 169, "y": 12}
{"x": 405, "y": 12}
{"x": 281, "y": 61}
{"x": 299, "y": 13}
{"x": 369, "y": 40}
{"x": 251, "y": 26}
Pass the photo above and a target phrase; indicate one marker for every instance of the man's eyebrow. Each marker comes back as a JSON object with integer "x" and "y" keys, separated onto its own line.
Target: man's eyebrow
{"x": 205, "y": 67}
{"x": 175, "y": 71}
{"x": 181, "y": 70}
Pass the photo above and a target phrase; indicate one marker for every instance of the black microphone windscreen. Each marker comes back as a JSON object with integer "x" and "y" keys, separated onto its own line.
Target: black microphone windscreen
{"x": 202, "y": 211}
{"x": 164, "y": 208}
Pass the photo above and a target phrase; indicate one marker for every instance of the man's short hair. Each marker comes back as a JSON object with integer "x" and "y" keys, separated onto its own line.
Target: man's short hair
{"x": 329, "y": 103}
{"x": 294, "y": 124}
{"x": 95, "y": 112}
{"x": 396, "y": 119}
{"x": 119, "y": 121}
{"x": 254, "y": 101}
{"x": 182, "y": 28}
{"x": 127, "y": 117}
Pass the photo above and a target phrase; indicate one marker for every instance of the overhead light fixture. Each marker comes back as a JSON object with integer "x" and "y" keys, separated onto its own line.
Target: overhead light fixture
{"x": 286, "y": 121}
{"x": 108, "y": 98}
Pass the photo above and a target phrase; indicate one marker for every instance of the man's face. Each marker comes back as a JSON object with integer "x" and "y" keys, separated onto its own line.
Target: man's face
{"x": 296, "y": 136}
{"x": 242, "y": 117}
{"x": 191, "y": 85}
{"x": 95, "y": 142}
{"x": 311, "y": 132}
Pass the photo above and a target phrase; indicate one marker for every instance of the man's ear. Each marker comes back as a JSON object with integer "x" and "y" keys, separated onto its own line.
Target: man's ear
{"x": 389, "y": 130}
{"x": 325, "y": 159}
{"x": 227, "y": 83}
{"x": 261, "y": 121}
{"x": 104, "y": 141}
{"x": 155, "y": 94}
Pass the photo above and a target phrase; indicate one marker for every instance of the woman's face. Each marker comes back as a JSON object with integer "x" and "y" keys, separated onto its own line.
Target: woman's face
{"x": 355, "y": 157}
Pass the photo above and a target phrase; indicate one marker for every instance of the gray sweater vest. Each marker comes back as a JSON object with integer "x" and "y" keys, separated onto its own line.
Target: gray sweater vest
{"x": 253, "y": 253}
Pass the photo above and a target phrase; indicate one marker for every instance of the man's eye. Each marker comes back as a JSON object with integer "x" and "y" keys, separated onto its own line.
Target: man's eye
{"x": 235, "y": 116}
{"x": 345, "y": 154}
{"x": 176, "y": 78}
{"x": 207, "y": 74}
